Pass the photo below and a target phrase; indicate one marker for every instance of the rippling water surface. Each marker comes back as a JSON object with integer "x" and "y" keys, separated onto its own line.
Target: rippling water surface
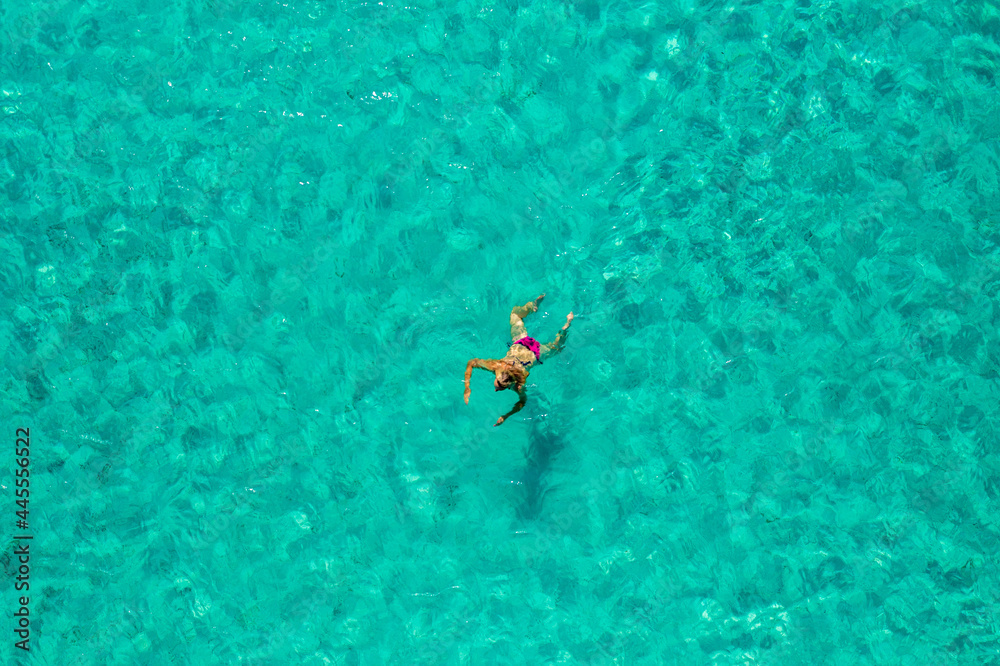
{"x": 249, "y": 247}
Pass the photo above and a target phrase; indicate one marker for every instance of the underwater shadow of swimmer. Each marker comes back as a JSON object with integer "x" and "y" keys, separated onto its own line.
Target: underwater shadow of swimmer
{"x": 543, "y": 445}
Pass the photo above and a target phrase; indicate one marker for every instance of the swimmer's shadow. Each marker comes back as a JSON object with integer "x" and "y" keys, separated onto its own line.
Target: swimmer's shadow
{"x": 544, "y": 444}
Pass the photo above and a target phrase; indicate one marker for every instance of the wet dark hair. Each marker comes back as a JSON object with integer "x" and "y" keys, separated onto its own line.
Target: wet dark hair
{"x": 513, "y": 375}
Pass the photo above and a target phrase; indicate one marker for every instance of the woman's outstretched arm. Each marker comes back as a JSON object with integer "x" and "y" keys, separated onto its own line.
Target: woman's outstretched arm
{"x": 515, "y": 409}
{"x": 485, "y": 364}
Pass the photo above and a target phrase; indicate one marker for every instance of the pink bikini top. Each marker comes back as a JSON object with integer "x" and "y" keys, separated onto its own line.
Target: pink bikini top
{"x": 531, "y": 344}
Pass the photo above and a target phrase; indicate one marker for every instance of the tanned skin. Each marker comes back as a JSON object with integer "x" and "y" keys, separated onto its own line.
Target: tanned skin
{"x": 510, "y": 372}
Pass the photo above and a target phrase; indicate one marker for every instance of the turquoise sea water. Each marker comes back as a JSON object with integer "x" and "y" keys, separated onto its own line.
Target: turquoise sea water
{"x": 248, "y": 249}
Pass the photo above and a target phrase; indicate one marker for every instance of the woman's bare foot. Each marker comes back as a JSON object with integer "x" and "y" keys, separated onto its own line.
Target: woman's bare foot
{"x": 535, "y": 303}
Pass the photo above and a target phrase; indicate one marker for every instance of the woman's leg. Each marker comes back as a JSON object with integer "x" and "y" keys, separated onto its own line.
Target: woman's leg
{"x": 556, "y": 345}
{"x": 517, "y": 329}
{"x": 552, "y": 348}
{"x": 517, "y": 315}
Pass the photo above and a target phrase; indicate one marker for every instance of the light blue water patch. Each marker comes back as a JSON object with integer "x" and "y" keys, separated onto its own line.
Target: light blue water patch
{"x": 249, "y": 248}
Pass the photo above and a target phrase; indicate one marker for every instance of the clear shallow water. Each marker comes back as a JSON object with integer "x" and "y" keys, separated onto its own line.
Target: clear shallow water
{"x": 249, "y": 248}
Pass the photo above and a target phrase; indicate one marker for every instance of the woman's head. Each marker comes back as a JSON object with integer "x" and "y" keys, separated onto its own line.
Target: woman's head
{"x": 510, "y": 374}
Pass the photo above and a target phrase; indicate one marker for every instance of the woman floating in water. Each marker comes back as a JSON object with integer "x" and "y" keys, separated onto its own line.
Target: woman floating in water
{"x": 512, "y": 370}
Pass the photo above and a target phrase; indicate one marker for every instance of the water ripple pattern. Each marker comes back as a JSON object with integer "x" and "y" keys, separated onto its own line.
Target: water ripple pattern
{"x": 249, "y": 247}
